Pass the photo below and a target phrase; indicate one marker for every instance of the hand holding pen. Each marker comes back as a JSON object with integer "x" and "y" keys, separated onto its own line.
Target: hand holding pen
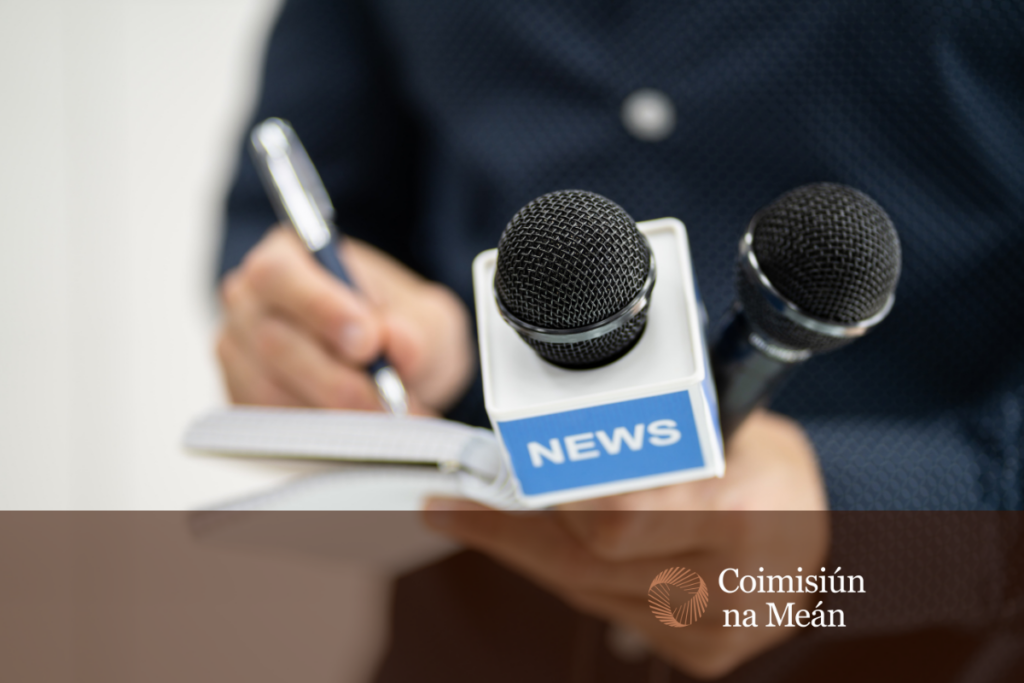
{"x": 298, "y": 333}
{"x": 299, "y": 198}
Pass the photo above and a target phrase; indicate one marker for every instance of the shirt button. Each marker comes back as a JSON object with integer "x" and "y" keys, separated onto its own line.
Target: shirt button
{"x": 649, "y": 115}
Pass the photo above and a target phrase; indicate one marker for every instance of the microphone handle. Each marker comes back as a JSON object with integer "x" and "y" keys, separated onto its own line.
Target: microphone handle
{"x": 745, "y": 377}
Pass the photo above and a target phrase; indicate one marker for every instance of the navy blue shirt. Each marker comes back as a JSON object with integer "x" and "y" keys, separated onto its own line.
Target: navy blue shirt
{"x": 432, "y": 123}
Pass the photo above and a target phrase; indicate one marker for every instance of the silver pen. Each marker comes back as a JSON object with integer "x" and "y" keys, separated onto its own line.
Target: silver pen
{"x": 299, "y": 198}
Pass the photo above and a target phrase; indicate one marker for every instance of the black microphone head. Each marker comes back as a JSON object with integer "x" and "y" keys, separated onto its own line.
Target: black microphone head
{"x": 830, "y": 252}
{"x": 573, "y": 278}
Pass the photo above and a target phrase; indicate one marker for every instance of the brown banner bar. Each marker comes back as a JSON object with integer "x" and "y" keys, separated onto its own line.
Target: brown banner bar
{"x": 548, "y": 596}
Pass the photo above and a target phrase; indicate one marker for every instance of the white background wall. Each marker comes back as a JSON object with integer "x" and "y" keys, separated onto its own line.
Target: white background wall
{"x": 120, "y": 121}
{"x": 119, "y": 125}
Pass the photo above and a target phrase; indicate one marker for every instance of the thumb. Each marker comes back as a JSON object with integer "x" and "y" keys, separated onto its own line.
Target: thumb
{"x": 404, "y": 346}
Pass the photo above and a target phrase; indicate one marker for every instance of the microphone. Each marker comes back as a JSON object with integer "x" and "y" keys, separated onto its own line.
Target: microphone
{"x": 817, "y": 269}
{"x": 612, "y": 390}
{"x": 574, "y": 278}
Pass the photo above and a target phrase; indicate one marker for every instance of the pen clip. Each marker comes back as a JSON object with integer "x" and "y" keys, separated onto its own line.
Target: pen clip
{"x": 292, "y": 183}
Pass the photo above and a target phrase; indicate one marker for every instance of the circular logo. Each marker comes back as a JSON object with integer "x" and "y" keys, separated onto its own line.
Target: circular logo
{"x": 678, "y": 597}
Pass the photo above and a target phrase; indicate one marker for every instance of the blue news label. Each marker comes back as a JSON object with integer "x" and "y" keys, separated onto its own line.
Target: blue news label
{"x": 601, "y": 444}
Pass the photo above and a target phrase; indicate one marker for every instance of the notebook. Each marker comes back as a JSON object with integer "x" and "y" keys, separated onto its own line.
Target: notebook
{"x": 384, "y": 462}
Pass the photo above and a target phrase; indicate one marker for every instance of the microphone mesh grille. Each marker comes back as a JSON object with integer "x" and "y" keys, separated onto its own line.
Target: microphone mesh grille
{"x": 830, "y": 250}
{"x": 570, "y": 259}
{"x": 777, "y": 327}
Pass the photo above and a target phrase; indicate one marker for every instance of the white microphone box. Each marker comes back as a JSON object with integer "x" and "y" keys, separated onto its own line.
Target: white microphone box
{"x": 648, "y": 419}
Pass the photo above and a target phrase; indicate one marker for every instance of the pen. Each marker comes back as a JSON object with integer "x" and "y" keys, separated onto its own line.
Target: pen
{"x": 299, "y": 198}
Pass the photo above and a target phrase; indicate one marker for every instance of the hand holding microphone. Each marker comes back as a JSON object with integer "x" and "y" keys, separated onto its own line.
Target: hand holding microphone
{"x": 575, "y": 281}
{"x": 818, "y": 269}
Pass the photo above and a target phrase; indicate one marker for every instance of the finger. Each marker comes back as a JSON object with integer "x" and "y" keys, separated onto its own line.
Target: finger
{"x": 620, "y": 535}
{"x": 301, "y": 365}
{"x": 792, "y": 469}
{"x": 539, "y": 545}
{"x": 288, "y": 280}
{"x": 431, "y": 347}
{"x": 405, "y": 347}
{"x": 405, "y": 350}
{"x": 383, "y": 279}
{"x": 651, "y": 523}
{"x": 242, "y": 312}
{"x": 246, "y": 382}
{"x": 685, "y": 496}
